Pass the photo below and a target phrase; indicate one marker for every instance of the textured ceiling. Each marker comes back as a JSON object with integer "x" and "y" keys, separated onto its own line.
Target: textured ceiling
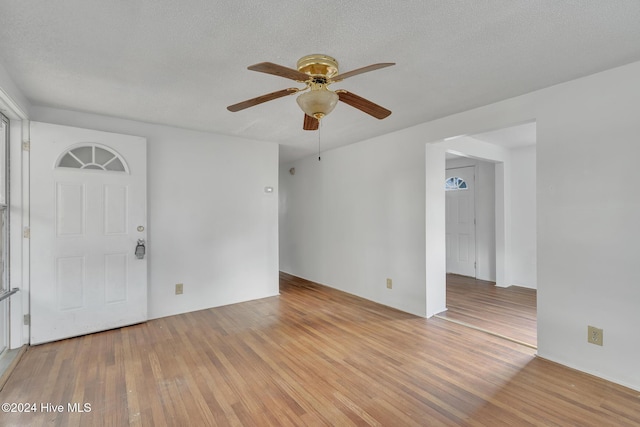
{"x": 181, "y": 63}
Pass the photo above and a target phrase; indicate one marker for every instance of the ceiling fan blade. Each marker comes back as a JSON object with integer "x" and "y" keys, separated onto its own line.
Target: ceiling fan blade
{"x": 366, "y": 69}
{"x": 279, "y": 70}
{"x": 363, "y": 104}
{"x": 260, "y": 99}
{"x": 310, "y": 123}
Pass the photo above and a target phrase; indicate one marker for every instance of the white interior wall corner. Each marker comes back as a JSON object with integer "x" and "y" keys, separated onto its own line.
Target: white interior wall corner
{"x": 352, "y": 227}
{"x": 435, "y": 229}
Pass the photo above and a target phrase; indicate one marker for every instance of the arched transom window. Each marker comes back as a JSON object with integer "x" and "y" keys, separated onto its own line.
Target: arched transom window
{"x": 92, "y": 156}
{"x": 455, "y": 183}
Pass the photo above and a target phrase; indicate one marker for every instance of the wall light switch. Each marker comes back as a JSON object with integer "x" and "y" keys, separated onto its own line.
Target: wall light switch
{"x": 179, "y": 288}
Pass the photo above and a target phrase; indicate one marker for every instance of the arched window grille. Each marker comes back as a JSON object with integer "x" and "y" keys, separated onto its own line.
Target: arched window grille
{"x": 92, "y": 156}
{"x": 455, "y": 183}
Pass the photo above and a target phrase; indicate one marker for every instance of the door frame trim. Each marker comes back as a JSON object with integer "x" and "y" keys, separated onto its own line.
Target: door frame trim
{"x": 19, "y": 169}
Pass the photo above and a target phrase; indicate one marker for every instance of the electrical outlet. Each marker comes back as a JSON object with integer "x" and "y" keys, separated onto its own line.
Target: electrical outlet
{"x": 389, "y": 283}
{"x": 594, "y": 335}
{"x": 179, "y": 288}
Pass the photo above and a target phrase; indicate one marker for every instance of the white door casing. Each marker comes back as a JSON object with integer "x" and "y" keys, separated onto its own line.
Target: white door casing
{"x": 460, "y": 223}
{"x": 88, "y": 210}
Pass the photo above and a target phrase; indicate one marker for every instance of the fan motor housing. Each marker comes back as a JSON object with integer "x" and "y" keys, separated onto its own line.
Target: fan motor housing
{"x": 318, "y": 65}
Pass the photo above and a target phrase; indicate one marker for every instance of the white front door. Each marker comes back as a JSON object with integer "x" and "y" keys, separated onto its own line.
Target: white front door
{"x": 88, "y": 210}
{"x": 461, "y": 221}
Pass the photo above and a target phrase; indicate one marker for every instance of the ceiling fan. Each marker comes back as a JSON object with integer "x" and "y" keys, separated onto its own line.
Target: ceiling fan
{"x": 317, "y": 72}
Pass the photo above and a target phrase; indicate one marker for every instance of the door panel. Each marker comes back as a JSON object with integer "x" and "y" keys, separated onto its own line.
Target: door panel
{"x": 115, "y": 273}
{"x": 88, "y": 192}
{"x": 70, "y": 209}
{"x": 70, "y": 282}
{"x": 116, "y": 209}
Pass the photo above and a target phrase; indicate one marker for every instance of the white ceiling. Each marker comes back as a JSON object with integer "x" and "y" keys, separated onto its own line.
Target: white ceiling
{"x": 181, "y": 63}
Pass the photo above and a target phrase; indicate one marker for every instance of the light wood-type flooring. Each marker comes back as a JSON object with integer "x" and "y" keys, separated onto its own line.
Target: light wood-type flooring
{"x": 510, "y": 312}
{"x": 312, "y": 356}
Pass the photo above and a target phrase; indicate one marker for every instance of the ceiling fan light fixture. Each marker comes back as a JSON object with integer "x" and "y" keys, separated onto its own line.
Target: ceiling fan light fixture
{"x": 318, "y": 103}
{"x": 316, "y": 72}
{"x": 318, "y": 65}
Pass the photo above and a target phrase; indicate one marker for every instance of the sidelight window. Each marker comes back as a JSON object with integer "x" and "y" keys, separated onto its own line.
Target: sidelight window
{"x": 4, "y": 232}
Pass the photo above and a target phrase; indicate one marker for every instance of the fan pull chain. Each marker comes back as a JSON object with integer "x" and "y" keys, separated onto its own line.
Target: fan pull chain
{"x": 319, "y": 127}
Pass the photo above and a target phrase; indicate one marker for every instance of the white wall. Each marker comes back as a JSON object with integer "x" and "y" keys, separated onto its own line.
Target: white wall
{"x": 486, "y": 221}
{"x": 587, "y": 132}
{"x": 588, "y": 229}
{"x": 211, "y": 225}
{"x": 356, "y": 218}
{"x": 523, "y": 217}
{"x": 587, "y": 233}
{"x": 435, "y": 229}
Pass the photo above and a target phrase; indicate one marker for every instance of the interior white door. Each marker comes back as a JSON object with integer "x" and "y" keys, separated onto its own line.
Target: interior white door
{"x": 461, "y": 221}
{"x": 88, "y": 210}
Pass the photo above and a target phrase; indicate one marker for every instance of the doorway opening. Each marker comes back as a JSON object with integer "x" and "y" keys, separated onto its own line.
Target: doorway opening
{"x": 490, "y": 279}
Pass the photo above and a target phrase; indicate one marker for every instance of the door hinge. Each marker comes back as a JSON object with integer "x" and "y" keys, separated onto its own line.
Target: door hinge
{"x": 26, "y": 145}
{"x": 27, "y": 319}
{"x": 26, "y": 233}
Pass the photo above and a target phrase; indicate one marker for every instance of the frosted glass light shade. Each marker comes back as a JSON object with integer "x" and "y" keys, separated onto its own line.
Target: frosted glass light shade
{"x": 318, "y": 103}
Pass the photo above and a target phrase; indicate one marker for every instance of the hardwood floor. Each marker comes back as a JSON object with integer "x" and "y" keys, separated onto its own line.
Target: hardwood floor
{"x": 510, "y": 312}
{"x": 312, "y": 356}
